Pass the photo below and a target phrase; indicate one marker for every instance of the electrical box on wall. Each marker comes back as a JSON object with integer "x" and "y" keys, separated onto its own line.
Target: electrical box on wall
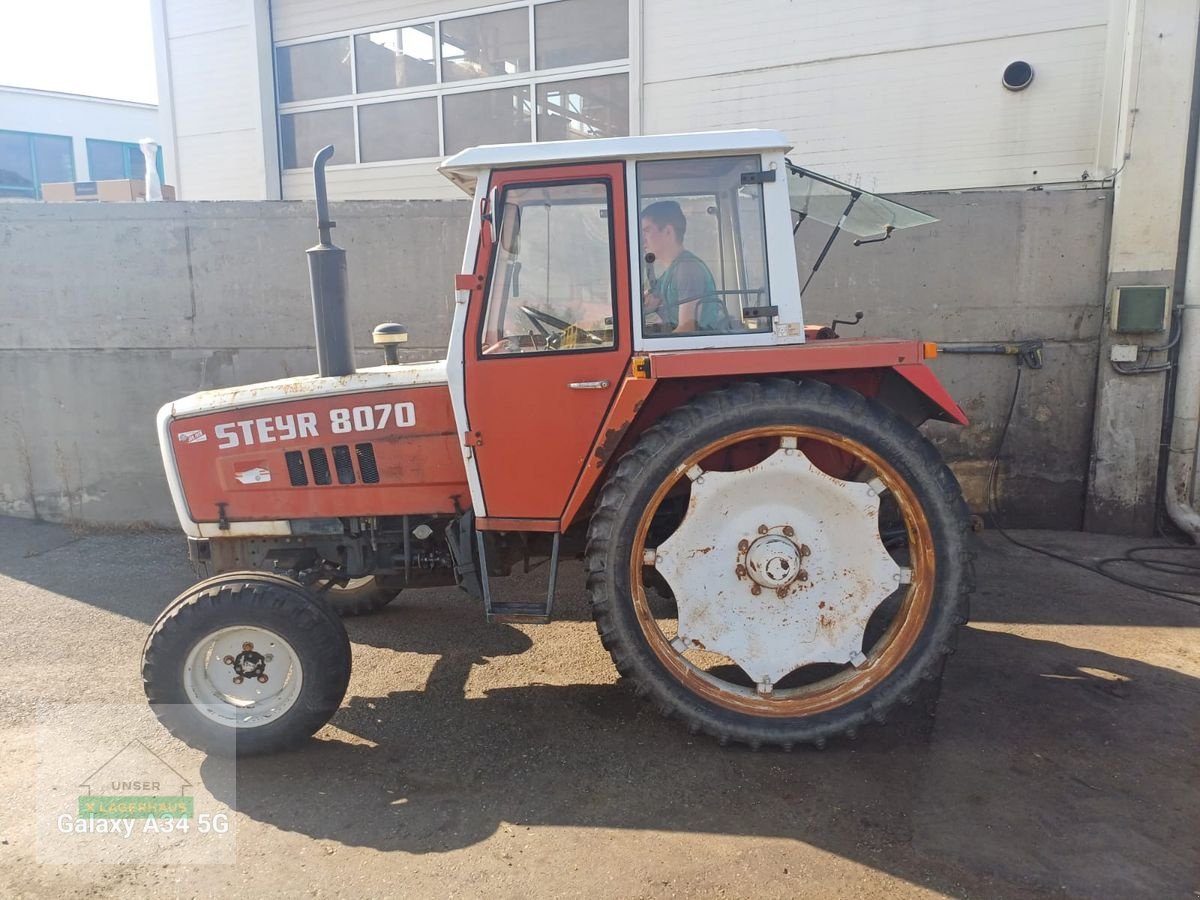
{"x": 1141, "y": 309}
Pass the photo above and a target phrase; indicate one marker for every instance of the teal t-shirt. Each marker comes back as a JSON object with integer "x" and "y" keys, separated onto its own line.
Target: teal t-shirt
{"x": 688, "y": 278}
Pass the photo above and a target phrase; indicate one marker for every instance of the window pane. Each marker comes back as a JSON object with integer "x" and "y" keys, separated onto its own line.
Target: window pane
{"x": 16, "y": 164}
{"x": 54, "y": 158}
{"x": 396, "y": 58}
{"x": 583, "y": 108}
{"x": 315, "y": 70}
{"x": 573, "y": 32}
{"x": 486, "y": 117}
{"x": 303, "y": 134}
{"x": 703, "y": 231}
{"x": 552, "y": 283}
{"x": 137, "y": 162}
{"x": 481, "y": 46}
{"x": 407, "y": 129}
{"x": 106, "y": 160}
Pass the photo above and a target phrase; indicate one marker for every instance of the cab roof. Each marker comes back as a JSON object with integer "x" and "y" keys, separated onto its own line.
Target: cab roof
{"x": 464, "y": 167}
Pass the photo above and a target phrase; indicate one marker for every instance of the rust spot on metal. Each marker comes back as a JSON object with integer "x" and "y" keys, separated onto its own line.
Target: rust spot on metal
{"x": 698, "y": 645}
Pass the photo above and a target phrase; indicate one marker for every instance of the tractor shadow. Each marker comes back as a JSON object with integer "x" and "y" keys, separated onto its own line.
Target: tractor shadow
{"x": 1049, "y": 768}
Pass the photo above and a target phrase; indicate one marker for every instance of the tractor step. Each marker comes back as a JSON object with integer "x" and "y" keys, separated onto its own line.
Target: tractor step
{"x": 518, "y": 613}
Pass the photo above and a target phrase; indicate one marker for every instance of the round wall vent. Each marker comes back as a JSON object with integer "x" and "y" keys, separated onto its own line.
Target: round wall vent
{"x": 1018, "y": 75}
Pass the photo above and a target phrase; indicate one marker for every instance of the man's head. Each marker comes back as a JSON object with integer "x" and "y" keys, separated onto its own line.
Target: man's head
{"x": 663, "y": 228}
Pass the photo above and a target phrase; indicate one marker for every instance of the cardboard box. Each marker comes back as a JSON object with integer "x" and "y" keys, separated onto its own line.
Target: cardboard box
{"x": 93, "y": 191}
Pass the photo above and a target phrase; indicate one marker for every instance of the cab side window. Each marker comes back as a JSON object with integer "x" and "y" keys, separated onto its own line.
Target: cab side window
{"x": 703, "y": 247}
{"x": 552, "y": 276}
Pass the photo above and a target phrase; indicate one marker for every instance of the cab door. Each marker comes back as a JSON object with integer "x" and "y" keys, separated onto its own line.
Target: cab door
{"x": 546, "y": 349}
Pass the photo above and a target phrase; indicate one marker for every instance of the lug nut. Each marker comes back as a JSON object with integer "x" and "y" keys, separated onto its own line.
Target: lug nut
{"x": 762, "y": 529}
{"x": 781, "y": 592}
{"x": 238, "y": 679}
{"x": 802, "y": 575}
{"x": 228, "y": 660}
{"x": 805, "y": 550}
{"x": 789, "y": 530}
{"x": 756, "y": 590}
{"x": 743, "y": 545}
{"x": 262, "y": 679}
{"x": 247, "y": 646}
{"x": 741, "y": 571}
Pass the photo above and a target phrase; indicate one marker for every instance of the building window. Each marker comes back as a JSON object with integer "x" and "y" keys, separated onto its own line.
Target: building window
{"x": 303, "y": 134}
{"x": 485, "y": 46}
{"x": 394, "y": 58}
{"x": 118, "y": 160}
{"x": 314, "y": 70}
{"x": 27, "y": 161}
{"x": 545, "y": 70}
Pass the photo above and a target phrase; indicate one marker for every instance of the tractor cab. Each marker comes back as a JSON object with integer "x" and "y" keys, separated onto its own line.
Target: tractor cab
{"x": 589, "y": 262}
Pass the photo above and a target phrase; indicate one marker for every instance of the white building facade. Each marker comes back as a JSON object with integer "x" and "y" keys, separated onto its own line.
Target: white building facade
{"x": 894, "y": 97}
{"x": 48, "y": 137}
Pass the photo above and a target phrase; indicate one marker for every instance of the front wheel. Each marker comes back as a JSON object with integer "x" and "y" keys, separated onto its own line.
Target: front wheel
{"x": 246, "y": 663}
{"x": 778, "y": 563}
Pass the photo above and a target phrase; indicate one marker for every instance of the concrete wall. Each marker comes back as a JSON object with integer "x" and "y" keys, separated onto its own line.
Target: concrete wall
{"x": 108, "y": 311}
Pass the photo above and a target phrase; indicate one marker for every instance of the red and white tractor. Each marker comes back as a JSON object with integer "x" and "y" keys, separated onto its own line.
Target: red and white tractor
{"x": 774, "y": 553}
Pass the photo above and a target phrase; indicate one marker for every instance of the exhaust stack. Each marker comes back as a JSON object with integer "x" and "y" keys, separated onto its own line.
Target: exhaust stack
{"x": 328, "y": 283}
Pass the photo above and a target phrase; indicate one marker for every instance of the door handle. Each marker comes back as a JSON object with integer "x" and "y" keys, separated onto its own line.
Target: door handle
{"x": 588, "y": 385}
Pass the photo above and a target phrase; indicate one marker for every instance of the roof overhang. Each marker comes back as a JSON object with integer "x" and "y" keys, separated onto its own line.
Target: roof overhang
{"x": 464, "y": 167}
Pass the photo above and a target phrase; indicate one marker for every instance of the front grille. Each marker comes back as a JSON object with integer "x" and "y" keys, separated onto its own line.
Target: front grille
{"x": 366, "y": 463}
{"x": 295, "y": 466}
{"x": 320, "y": 465}
{"x": 345, "y": 468}
{"x": 345, "y": 464}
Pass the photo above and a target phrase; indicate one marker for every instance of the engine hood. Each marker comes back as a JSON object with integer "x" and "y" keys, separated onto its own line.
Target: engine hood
{"x": 303, "y": 386}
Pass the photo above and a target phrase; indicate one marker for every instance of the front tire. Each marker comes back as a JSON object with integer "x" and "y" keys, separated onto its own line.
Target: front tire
{"x": 246, "y": 663}
{"x": 762, "y": 440}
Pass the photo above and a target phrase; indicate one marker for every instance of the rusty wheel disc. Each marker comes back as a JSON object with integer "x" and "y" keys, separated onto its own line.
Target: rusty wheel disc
{"x": 812, "y": 688}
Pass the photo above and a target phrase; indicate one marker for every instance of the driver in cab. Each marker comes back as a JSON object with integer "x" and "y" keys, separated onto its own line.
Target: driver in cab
{"x": 683, "y": 298}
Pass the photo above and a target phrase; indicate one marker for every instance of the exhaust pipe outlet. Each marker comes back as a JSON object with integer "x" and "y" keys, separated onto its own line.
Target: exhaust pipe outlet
{"x": 328, "y": 282}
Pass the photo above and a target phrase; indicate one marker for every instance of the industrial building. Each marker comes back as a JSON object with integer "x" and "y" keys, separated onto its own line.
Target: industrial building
{"x": 48, "y": 137}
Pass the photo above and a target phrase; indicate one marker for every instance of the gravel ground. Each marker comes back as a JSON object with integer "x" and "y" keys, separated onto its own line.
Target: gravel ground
{"x": 476, "y": 760}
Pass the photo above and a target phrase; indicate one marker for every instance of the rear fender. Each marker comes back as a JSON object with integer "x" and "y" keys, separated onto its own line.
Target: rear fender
{"x": 913, "y": 392}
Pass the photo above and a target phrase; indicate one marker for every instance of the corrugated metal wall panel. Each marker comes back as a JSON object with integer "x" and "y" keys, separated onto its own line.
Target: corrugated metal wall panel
{"x": 189, "y": 17}
{"x": 402, "y": 181}
{"x": 211, "y": 74}
{"x": 293, "y": 19}
{"x": 928, "y": 119}
{"x": 688, "y": 38}
{"x": 223, "y": 165}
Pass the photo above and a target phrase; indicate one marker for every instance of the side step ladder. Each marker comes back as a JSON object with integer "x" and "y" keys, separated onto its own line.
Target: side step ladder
{"x": 517, "y": 612}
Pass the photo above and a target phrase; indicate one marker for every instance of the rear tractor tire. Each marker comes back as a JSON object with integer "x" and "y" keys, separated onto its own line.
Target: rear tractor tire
{"x": 815, "y": 548}
{"x": 246, "y": 663}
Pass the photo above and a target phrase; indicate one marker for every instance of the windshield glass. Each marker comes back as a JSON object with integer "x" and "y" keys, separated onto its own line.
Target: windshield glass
{"x": 816, "y": 197}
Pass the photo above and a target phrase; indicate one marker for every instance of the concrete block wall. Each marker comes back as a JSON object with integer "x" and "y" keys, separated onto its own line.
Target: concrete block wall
{"x": 109, "y": 311}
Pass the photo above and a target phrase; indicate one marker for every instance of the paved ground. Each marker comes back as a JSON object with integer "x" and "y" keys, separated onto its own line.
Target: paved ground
{"x": 472, "y": 760}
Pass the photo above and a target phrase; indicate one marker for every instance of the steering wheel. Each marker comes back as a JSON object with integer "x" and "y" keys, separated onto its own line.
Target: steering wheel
{"x": 537, "y": 317}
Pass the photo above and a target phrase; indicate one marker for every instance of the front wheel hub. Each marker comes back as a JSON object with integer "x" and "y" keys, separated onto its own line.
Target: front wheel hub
{"x": 773, "y": 561}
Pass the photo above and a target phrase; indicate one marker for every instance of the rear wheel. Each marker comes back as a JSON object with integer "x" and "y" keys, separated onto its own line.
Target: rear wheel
{"x": 247, "y": 663}
{"x": 779, "y": 563}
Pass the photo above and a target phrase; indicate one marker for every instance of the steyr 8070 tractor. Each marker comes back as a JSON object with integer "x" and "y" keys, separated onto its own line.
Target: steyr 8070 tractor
{"x": 774, "y": 553}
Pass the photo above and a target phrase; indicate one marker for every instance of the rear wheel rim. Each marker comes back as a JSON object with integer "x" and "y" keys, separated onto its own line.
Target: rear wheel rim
{"x": 880, "y": 659}
{"x": 243, "y": 676}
